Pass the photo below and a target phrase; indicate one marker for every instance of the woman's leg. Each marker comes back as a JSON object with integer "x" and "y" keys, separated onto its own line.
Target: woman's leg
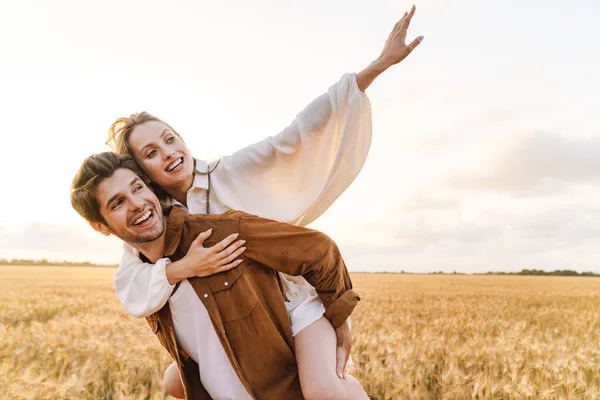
{"x": 172, "y": 382}
{"x": 315, "y": 348}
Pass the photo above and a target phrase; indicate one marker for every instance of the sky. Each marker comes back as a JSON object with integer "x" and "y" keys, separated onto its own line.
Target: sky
{"x": 486, "y": 140}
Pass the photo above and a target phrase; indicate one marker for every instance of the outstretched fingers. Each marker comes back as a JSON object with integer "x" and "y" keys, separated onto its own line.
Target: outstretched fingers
{"x": 217, "y": 248}
{"x": 199, "y": 241}
{"x": 229, "y": 266}
{"x": 407, "y": 18}
{"x": 414, "y": 44}
{"x": 400, "y": 21}
{"x": 231, "y": 253}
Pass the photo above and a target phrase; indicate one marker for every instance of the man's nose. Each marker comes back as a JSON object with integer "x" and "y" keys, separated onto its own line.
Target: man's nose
{"x": 137, "y": 202}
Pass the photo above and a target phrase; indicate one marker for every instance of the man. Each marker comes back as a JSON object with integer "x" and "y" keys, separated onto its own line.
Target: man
{"x": 251, "y": 355}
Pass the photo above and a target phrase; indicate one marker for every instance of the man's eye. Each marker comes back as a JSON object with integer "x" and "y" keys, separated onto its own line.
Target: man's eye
{"x": 116, "y": 204}
{"x": 151, "y": 154}
{"x": 170, "y": 139}
{"x": 138, "y": 188}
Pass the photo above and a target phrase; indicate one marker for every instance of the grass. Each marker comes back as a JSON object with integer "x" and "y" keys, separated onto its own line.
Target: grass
{"x": 65, "y": 336}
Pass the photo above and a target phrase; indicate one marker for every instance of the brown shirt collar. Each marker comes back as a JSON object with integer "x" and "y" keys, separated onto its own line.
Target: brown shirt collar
{"x": 175, "y": 217}
{"x": 175, "y": 220}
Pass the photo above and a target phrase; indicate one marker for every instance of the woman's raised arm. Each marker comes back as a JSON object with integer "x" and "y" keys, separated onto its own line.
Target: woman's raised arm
{"x": 394, "y": 51}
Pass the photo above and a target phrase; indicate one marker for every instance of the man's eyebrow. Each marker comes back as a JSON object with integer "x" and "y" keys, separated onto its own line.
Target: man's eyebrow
{"x": 116, "y": 196}
{"x": 113, "y": 198}
{"x": 163, "y": 133}
{"x": 134, "y": 180}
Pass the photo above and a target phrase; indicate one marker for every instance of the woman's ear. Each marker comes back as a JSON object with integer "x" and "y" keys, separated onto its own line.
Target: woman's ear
{"x": 100, "y": 227}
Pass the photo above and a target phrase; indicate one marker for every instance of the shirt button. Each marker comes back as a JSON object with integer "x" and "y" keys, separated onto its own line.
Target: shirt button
{"x": 226, "y": 283}
{"x": 205, "y": 295}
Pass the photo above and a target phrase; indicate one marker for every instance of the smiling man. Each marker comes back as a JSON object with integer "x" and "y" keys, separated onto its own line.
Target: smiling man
{"x": 229, "y": 333}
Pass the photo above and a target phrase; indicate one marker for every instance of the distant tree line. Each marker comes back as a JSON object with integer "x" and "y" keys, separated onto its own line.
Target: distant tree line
{"x": 45, "y": 262}
{"x": 558, "y": 272}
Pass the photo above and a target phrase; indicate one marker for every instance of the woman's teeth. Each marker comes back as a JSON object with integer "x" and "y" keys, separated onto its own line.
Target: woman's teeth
{"x": 143, "y": 218}
{"x": 174, "y": 164}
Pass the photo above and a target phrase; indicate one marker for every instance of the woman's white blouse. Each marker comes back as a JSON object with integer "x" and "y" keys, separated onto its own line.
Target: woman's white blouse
{"x": 291, "y": 177}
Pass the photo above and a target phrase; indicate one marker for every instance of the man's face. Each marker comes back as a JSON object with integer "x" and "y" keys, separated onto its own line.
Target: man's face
{"x": 131, "y": 210}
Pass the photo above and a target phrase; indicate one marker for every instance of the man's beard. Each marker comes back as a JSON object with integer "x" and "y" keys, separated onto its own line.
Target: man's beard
{"x": 147, "y": 237}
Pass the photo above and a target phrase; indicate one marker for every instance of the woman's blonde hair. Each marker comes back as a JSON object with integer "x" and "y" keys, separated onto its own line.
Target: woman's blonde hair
{"x": 120, "y": 130}
{"x": 118, "y": 140}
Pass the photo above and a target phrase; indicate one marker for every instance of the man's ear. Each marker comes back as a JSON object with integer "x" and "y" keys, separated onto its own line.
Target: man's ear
{"x": 100, "y": 227}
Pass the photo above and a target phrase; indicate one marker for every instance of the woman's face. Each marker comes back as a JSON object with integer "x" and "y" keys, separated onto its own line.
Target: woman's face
{"x": 162, "y": 154}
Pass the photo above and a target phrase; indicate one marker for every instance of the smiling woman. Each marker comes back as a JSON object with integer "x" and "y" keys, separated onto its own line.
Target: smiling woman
{"x": 158, "y": 149}
{"x": 291, "y": 177}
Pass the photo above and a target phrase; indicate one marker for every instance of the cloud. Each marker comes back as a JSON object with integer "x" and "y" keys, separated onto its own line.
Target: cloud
{"x": 531, "y": 201}
{"x": 421, "y": 201}
{"x": 540, "y": 163}
{"x": 503, "y": 256}
{"x": 563, "y": 237}
{"x": 522, "y": 201}
{"x": 58, "y": 242}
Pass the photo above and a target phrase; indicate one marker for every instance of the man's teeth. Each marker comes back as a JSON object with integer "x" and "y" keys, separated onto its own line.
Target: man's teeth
{"x": 174, "y": 164}
{"x": 143, "y": 218}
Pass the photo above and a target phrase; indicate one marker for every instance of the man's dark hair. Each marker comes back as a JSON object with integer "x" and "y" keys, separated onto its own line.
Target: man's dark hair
{"x": 95, "y": 169}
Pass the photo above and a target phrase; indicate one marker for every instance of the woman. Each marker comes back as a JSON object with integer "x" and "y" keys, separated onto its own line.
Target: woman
{"x": 292, "y": 177}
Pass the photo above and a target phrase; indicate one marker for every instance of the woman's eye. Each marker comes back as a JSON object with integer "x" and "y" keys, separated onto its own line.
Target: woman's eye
{"x": 170, "y": 139}
{"x": 151, "y": 154}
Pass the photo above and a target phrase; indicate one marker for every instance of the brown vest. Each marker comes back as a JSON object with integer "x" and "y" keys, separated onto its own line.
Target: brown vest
{"x": 245, "y": 304}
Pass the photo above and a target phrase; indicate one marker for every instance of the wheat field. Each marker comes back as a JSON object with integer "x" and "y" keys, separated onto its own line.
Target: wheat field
{"x": 65, "y": 336}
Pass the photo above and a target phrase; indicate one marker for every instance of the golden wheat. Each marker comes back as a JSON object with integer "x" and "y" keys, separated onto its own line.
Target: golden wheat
{"x": 65, "y": 336}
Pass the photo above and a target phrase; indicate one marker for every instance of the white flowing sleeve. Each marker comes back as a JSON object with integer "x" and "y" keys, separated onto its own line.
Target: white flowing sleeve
{"x": 291, "y": 177}
{"x": 142, "y": 288}
{"x": 297, "y": 174}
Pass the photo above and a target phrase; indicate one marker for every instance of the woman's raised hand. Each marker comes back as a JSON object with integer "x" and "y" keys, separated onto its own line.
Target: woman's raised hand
{"x": 394, "y": 51}
{"x": 395, "y": 48}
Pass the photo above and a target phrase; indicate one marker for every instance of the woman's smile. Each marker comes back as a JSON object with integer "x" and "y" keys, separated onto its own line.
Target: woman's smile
{"x": 175, "y": 165}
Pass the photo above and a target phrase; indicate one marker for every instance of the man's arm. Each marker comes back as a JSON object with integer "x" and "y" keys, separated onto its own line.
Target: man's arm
{"x": 300, "y": 251}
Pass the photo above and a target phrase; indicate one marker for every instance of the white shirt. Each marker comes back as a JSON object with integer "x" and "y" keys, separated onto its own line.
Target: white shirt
{"x": 196, "y": 335}
{"x": 292, "y": 177}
